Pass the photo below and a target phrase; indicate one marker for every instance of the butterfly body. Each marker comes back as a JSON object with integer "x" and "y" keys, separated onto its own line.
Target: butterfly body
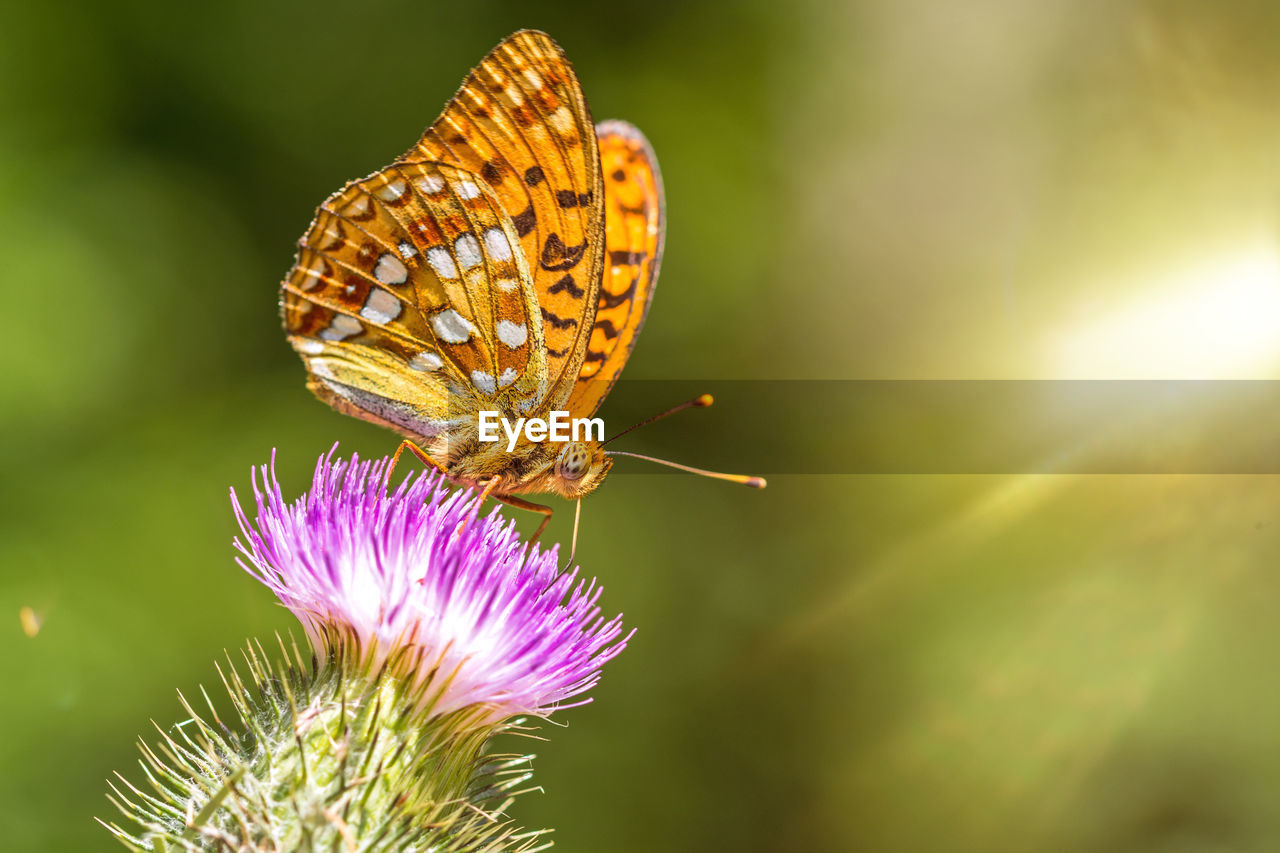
{"x": 568, "y": 469}
{"x": 505, "y": 263}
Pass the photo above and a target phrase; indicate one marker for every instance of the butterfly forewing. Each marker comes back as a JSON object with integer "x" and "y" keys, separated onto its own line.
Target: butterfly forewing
{"x": 634, "y": 229}
{"x": 521, "y": 123}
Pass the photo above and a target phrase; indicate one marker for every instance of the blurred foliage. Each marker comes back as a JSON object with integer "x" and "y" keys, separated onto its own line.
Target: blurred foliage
{"x": 888, "y": 190}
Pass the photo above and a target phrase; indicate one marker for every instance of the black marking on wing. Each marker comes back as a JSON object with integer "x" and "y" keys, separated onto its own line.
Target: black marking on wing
{"x": 525, "y": 222}
{"x": 592, "y": 355}
{"x": 556, "y": 256}
{"x": 558, "y": 321}
{"x": 567, "y": 284}
{"x": 568, "y": 198}
{"x": 534, "y": 176}
{"x": 608, "y": 328}
{"x": 608, "y": 300}
{"x": 492, "y": 172}
{"x": 626, "y": 258}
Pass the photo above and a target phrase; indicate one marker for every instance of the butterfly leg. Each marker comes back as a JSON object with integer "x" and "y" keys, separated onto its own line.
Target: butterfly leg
{"x": 418, "y": 452}
{"x": 521, "y": 503}
{"x": 489, "y": 486}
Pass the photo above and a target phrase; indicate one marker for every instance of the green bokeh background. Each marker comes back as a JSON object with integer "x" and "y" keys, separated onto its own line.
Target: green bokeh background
{"x": 886, "y": 189}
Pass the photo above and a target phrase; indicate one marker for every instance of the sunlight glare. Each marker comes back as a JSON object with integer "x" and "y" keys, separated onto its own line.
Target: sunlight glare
{"x": 1215, "y": 320}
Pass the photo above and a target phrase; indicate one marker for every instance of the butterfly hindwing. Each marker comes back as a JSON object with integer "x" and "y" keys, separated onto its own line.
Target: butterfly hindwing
{"x": 634, "y": 230}
{"x": 411, "y": 301}
{"x": 521, "y": 123}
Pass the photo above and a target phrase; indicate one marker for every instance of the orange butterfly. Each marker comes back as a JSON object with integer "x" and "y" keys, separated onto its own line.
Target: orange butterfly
{"x": 505, "y": 263}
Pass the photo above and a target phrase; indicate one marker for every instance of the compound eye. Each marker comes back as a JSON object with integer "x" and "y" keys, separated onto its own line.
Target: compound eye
{"x": 574, "y": 462}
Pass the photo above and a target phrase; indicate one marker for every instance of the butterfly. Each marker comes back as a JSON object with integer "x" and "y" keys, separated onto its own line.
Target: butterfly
{"x": 505, "y": 263}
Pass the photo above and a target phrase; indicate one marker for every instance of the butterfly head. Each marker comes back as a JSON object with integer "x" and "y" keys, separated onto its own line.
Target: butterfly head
{"x": 579, "y": 468}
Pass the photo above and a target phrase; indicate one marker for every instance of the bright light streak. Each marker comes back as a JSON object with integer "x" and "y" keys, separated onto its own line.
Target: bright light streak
{"x": 1213, "y": 320}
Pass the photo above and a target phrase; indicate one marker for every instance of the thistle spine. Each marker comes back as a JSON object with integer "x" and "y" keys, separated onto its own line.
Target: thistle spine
{"x": 330, "y": 754}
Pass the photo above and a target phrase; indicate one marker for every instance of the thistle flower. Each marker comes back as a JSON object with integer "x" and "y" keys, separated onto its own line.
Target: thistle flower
{"x": 497, "y": 623}
{"x": 432, "y": 630}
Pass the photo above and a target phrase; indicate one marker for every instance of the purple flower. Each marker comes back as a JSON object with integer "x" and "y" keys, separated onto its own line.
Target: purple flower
{"x": 487, "y": 620}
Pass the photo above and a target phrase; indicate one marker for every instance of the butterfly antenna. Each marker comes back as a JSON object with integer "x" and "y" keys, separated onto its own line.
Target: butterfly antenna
{"x": 699, "y": 402}
{"x": 744, "y": 479}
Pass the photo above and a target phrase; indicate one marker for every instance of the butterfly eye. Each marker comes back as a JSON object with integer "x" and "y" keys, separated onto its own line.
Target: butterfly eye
{"x": 574, "y": 462}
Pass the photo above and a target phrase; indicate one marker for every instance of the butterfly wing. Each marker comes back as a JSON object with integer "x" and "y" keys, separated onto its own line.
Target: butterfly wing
{"x": 412, "y": 304}
{"x": 635, "y": 223}
{"x": 520, "y": 121}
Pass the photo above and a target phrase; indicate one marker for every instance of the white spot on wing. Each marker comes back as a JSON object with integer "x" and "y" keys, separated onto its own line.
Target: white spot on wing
{"x": 406, "y": 250}
{"x": 496, "y": 243}
{"x": 341, "y": 326}
{"x": 468, "y": 251}
{"x": 380, "y": 307}
{"x": 483, "y": 381}
{"x": 507, "y": 284}
{"x": 562, "y": 120}
{"x": 512, "y": 334}
{"x": 333, "y": 234}
{"x": 390, "y": 270}
{"x": 451, "y": 327}
{"x": 358, "y": 207}
{"x": 466, "y": 189}
{"x": 313, "y": 276}
{"x": 534, "y": 78}
{"x": 429, "y": 184}
{"x": 442, "y": 262}
{"x": 392, "y": 190}
{"x": 308, "y": 346}
{"x": 426, "y": 361}
{"x": 508, "y": 376}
